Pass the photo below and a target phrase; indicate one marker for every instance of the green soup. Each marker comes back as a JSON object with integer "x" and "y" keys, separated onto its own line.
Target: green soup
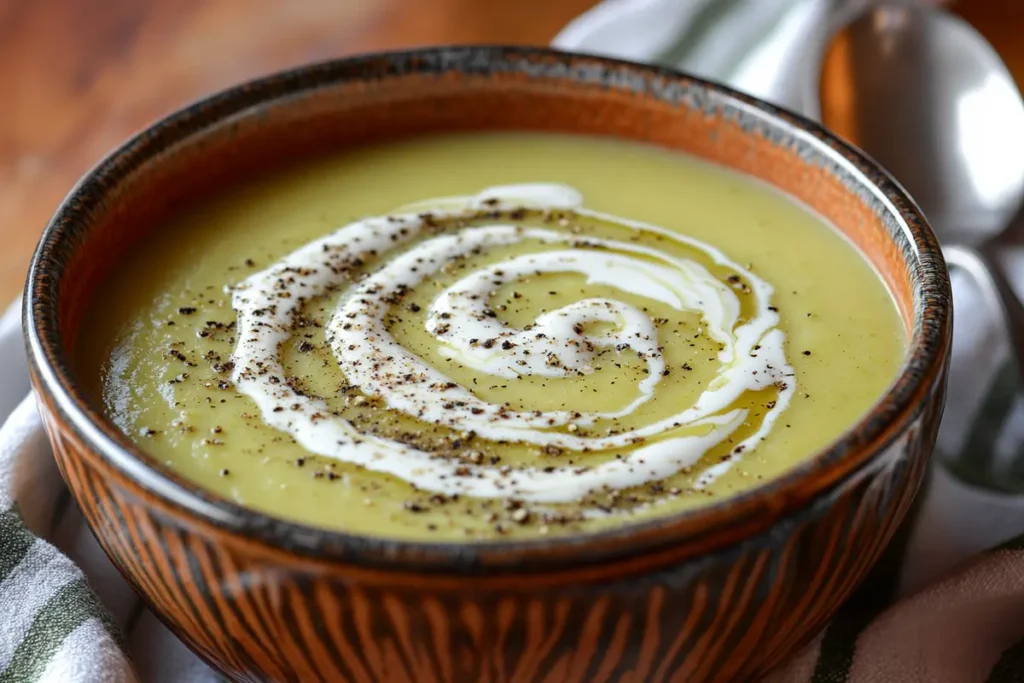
{"x": 490, "y": 336}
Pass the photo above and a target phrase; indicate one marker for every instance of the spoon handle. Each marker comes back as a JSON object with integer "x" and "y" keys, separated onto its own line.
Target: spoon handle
{"x": 981, "y": 464}
{"x": 997, "y": 289}
{"x": 1013, "y": 309}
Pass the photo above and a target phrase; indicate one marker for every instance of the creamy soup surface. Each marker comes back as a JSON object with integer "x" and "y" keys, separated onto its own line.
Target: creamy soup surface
{"x": 483, "y": 336}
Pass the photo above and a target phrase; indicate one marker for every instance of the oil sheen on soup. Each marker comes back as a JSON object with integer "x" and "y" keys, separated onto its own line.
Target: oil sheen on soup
{"x": 486, "y": 336}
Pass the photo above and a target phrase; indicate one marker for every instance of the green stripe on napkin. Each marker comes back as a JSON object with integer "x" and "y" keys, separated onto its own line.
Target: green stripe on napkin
{"x": 66, "y": 610}
{"x": 15, "y": 540}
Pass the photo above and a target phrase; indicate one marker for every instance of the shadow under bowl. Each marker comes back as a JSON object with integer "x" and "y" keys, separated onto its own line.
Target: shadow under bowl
{"x": 720, "y": 593}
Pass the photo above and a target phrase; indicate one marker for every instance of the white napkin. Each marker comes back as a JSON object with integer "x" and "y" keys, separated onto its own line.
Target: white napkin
{"x": 767, "y": 48}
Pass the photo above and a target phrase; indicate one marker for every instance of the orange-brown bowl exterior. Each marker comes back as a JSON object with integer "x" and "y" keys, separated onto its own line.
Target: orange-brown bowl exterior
{"x": 722, "y": 593}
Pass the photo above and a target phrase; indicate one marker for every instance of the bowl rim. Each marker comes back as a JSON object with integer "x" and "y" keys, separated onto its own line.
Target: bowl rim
{"x": 733, "y": 519}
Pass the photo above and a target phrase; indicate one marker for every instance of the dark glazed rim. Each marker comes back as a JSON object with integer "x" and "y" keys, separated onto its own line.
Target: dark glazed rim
{"x": 734, "y": 519}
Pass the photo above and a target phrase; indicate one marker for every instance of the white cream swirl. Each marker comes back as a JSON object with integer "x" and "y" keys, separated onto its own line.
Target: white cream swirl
{"x": 557, "y": 344}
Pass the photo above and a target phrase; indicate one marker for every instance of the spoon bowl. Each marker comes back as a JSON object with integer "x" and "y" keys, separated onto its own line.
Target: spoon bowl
{"x": 928, "y": 97}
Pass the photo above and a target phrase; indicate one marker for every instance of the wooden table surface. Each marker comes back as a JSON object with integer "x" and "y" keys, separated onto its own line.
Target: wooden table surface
{"x": 78, "y": 77}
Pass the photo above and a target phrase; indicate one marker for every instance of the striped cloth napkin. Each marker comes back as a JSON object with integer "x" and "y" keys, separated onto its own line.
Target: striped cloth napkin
{"x": 943, "y": 606}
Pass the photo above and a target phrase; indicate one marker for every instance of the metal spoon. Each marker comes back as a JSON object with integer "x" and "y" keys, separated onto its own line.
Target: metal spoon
{"x": 926, "y": 95}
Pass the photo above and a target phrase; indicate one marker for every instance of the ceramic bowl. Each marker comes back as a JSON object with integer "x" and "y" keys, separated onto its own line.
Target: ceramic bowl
{"x": 722, "y": 593}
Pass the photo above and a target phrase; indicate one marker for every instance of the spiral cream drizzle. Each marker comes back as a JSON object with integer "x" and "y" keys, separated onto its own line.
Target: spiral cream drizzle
{"x": 558, "y": 344}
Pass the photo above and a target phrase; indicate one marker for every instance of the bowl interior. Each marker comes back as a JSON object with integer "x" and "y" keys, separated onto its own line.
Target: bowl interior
{"x": 297, "y": 114}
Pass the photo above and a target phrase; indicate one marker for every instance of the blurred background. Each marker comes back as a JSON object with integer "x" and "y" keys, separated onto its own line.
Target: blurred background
{"x": 78, "y": 76}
